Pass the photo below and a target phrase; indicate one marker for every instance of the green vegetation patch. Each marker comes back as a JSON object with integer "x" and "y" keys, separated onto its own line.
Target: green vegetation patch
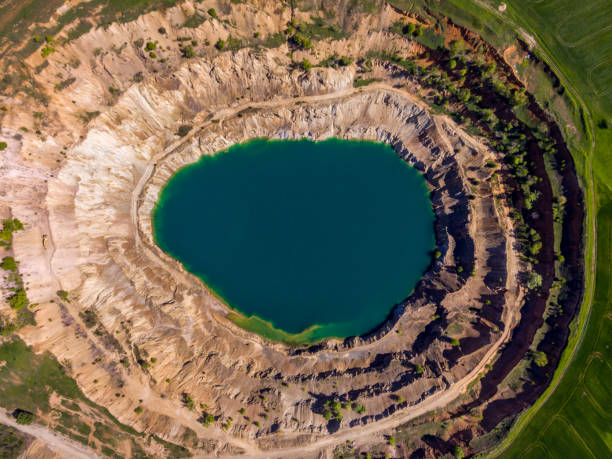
{"x": 12, "y": 443}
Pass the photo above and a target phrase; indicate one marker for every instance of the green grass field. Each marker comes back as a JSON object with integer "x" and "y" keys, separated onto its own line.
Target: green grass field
{"x": 572, "y": 418}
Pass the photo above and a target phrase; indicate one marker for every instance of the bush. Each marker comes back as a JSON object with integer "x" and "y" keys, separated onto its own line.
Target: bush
{"x": 3, "y": 146}
{"x": 183, "y": 130}
{"x": 455, "y": 342}
{"x": 151, "y": 46}
{"x": 392, "y": 441}
{"x": 345, "y": 61}
{"x": 419, "y": 369}
{"x": 138, "y": 410}
{"x": 458, "y": 452}
{"x": 306, "y": 65}
{"x": 220, "y": 44}
{"x": 437, "y": 254}
{"x": 212, "y": 12}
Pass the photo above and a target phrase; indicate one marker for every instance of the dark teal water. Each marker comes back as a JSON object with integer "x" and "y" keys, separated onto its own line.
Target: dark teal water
{"x": 298, "y": 233}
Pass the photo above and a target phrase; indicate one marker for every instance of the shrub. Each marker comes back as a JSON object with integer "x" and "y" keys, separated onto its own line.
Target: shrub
{"x": 183, "y": 130}
{"x": 220, "y": 44}
{"x": 151, "y": 46}
{"x": 458, "y": 452}
{"x": 392, "y": 441}
{"x": 437, "y": 254}
{"x": 419, "y": 369}
{"x": 138, "y": 410}
{"x": 3, "y": 146}
{"x": 306, "y": 65}
{"x": 212, "y": 12}
{"x": 455, "y": 342}
{"x": 452, "y": 64}
{"x": 63, "y": 294}
{"x": 345, "y": 61}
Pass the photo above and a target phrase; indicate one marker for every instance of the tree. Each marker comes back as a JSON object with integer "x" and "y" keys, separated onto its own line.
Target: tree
{"x": 534, "y": 280}
{"x": 207, "y": 419}
{"x": 183, "y": 130}
{"x": 458, "y": 452}
{"x": 419, "y": 31}
{"x": 188, "y": 401}
{"x": 452, "y": 64}
{"x": 540, "y": 359}
{"x": 188, "y": 51}
{"x": 306, "y": 65}
{"x": 212, "y": 12}
{"x": 19, "y": 300}
{"x": 24, "y": 417}
{"x": 454, "y": 342}
{"x": 409, "y": 29}
{"x": 220, "y": 44}
{"x": 419, "y": 369}
{"x": 437, "y": 254}
{"x": 392, "y": 441}
{"x": 9, "y": 264}
{"x": 300, "y": 41}
{"x": 3, "y": 146}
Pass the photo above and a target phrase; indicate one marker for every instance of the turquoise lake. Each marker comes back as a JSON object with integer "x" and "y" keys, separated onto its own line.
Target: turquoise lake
{"x": 306, "y": 240}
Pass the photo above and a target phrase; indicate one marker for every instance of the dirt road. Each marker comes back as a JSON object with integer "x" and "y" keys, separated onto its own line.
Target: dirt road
{"x": 61, "y": 445}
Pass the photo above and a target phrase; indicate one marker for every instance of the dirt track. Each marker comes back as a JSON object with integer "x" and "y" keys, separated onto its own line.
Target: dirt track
{"x": 61, "y": 445}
